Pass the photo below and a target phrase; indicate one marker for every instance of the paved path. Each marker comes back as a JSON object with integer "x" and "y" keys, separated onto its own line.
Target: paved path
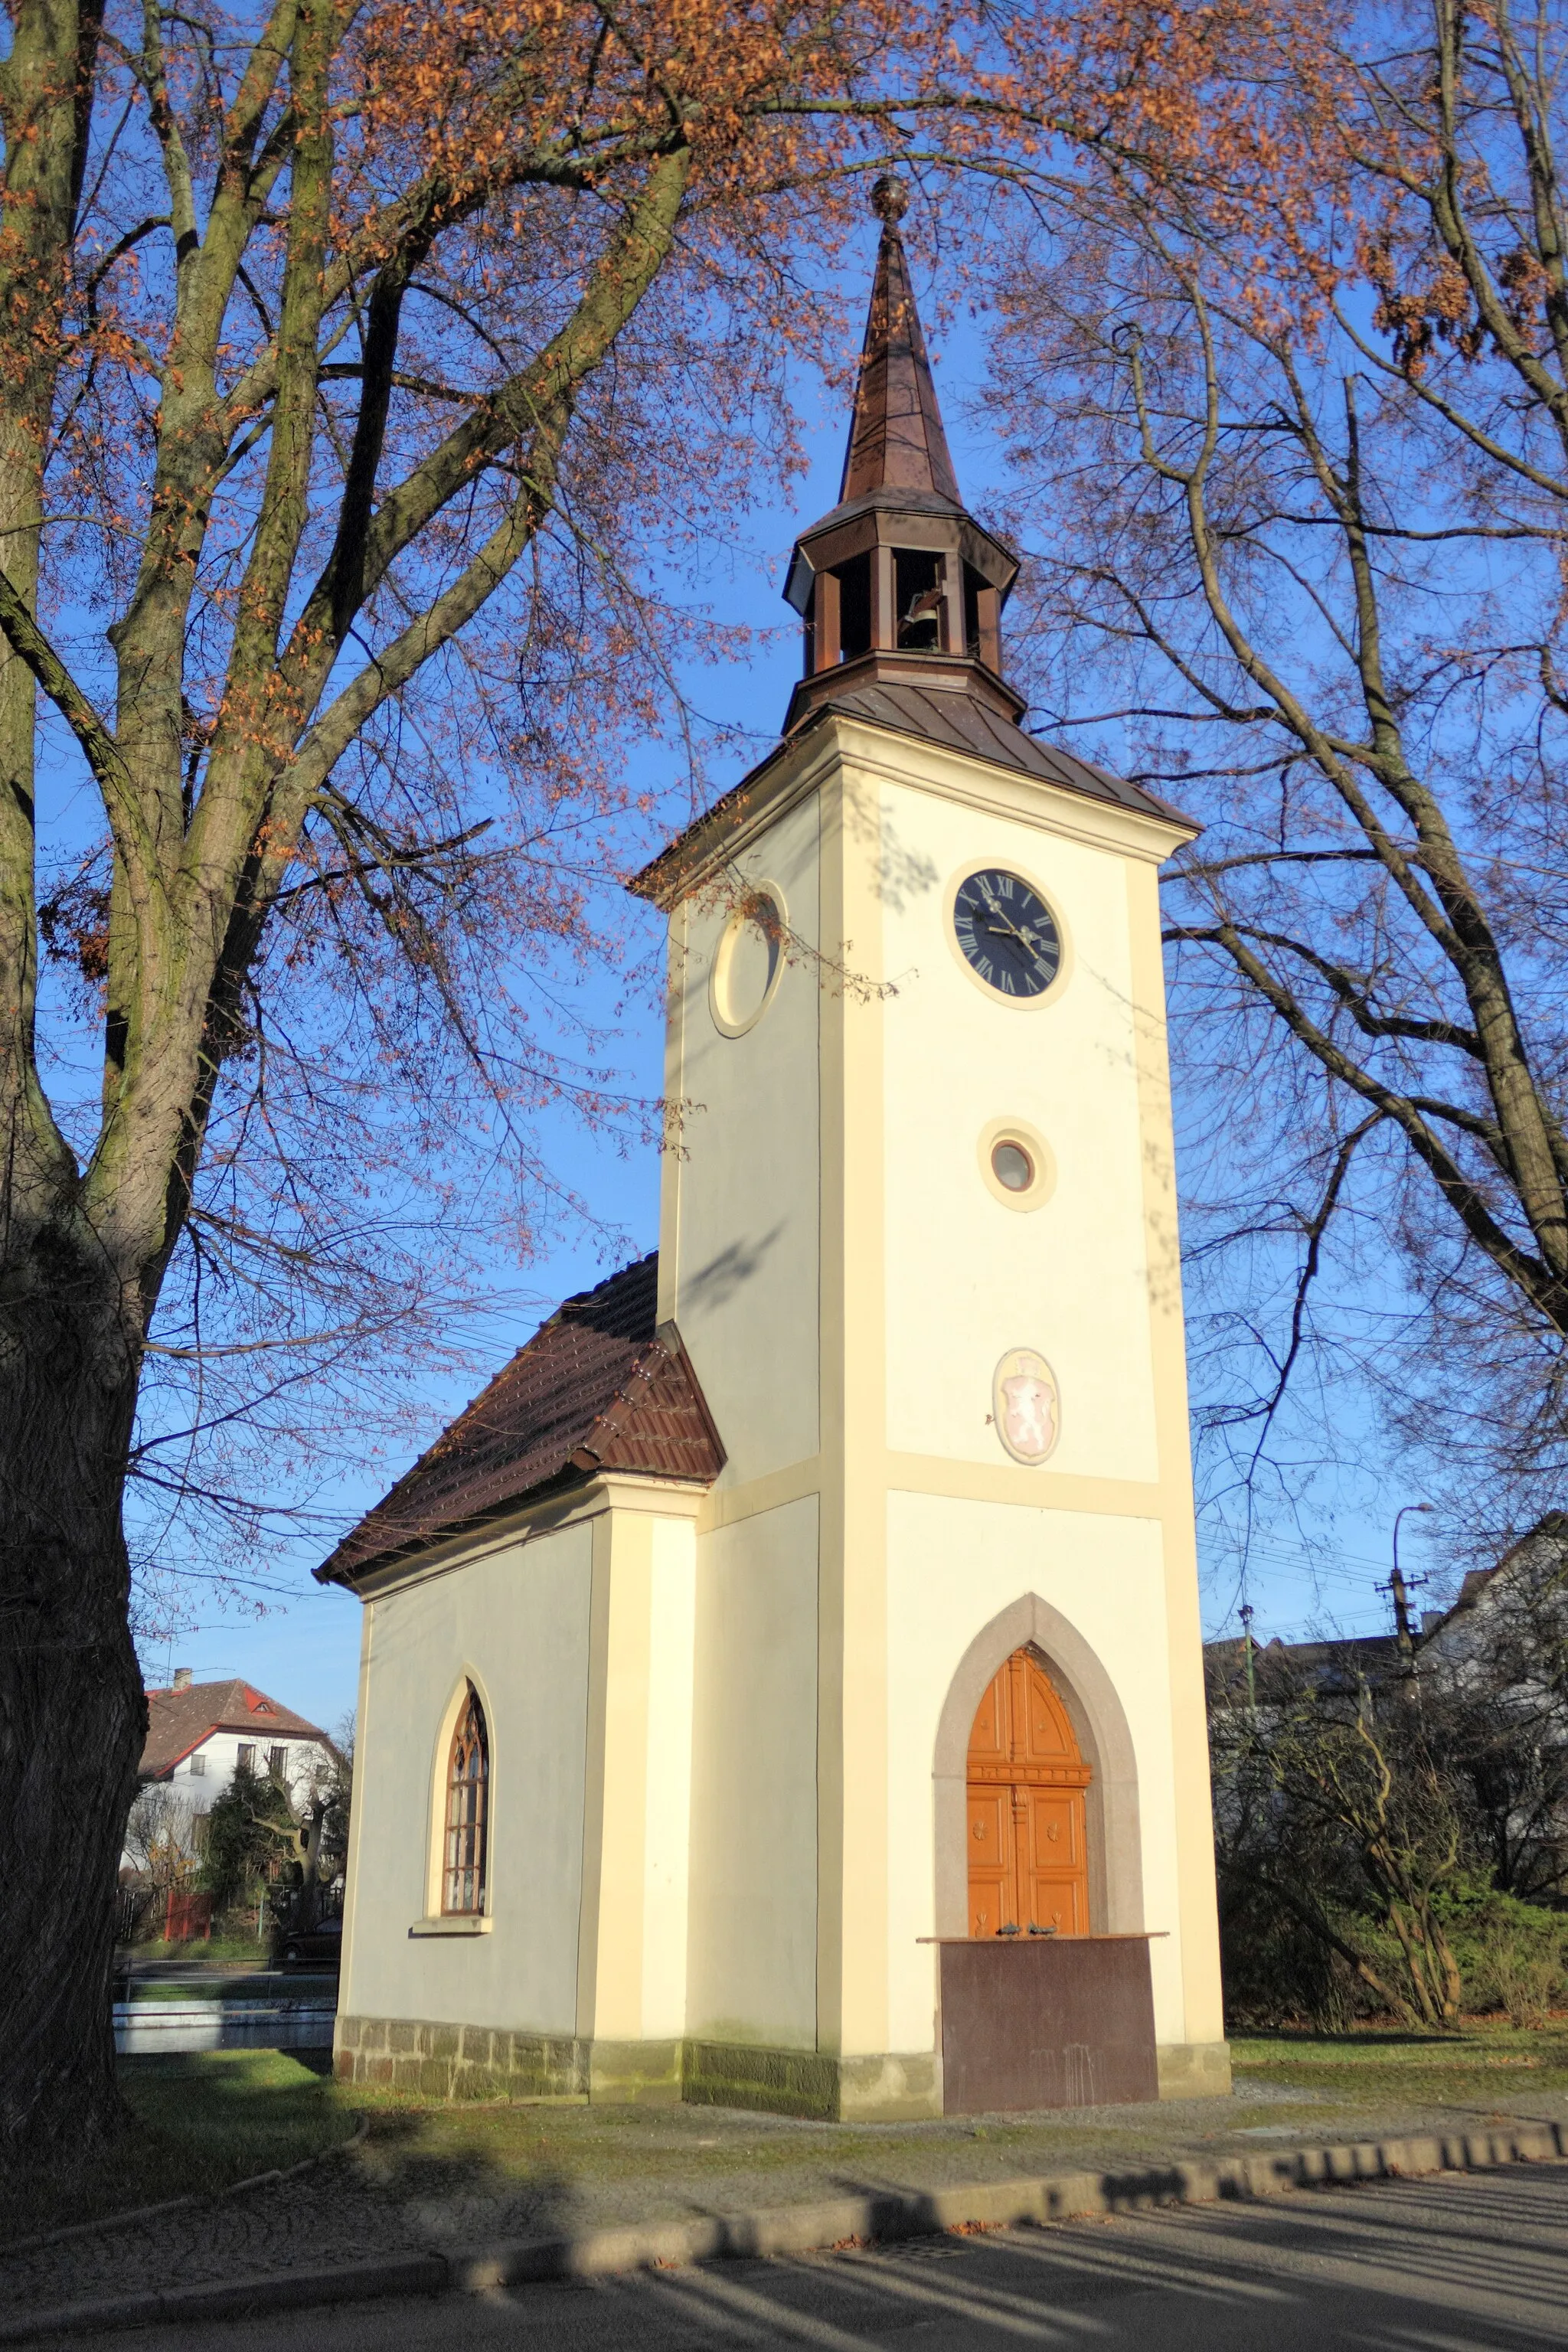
{"x": 1473, "y": 2263}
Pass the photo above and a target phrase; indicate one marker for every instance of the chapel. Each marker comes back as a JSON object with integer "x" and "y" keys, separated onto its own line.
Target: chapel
{"x": 781, "y": 1686}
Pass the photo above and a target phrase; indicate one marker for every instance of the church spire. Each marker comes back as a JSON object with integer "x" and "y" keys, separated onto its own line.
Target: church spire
{"x": 896, "y": 438}
{"x": 899, "y": 587}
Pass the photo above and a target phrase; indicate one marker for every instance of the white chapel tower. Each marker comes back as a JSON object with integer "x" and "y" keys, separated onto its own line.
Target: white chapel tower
{"x": 783, "y": 1685}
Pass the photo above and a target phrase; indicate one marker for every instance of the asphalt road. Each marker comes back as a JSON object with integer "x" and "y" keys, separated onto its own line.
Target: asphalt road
{"x": 1443, "y": 2265}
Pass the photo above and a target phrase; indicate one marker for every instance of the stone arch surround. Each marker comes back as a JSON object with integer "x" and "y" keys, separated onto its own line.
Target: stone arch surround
{"x": 1101, "y": 1726}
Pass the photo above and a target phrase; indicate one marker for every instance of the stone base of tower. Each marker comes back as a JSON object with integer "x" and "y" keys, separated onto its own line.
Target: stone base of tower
{"x": 477, "y": 2061}
{"x": 889, "y": 2087}
{"x": 482, "y": 2061}
{"x": 1194, "y": 2069}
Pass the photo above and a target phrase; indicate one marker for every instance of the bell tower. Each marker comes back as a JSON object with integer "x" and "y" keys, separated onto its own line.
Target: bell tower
{"x": 918, "y": 1240}
{"x": 898, "y": 582}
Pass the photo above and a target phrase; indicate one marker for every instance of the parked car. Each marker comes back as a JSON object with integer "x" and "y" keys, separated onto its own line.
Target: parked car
{"x": 322, "y": 1941}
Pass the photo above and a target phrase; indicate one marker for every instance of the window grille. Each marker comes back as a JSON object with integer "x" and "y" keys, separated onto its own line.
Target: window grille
{"x": 277, "y": 1762}
{"x": 468, "y": 1789}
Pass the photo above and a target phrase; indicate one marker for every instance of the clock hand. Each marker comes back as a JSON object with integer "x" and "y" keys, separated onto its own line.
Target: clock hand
{"x": 1025, "y": 937}
{"x": 1006, "y": 930}
{"x": 995, "y": 908}
{"x": 1026, "y": 941}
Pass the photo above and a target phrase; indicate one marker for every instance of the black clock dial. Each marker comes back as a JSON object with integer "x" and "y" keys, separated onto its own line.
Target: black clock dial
{"x": 1008, "y": 933}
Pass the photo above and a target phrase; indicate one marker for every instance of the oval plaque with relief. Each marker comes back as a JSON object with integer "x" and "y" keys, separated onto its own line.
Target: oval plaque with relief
{"x": 1024, "y": 1405}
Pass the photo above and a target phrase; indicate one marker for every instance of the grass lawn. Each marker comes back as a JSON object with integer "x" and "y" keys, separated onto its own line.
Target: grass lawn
{"x": 249, "y": 1949}
{"x": 596, "y": 2161}
{"x": 276, "y": 1984}
{"x": 199, "y": 2123}
{"x": 205, "y": 2121}
{"x": 1489, "y": 2065}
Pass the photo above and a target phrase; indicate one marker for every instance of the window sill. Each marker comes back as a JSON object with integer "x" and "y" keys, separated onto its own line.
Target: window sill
{"x": 454, "y": 1923}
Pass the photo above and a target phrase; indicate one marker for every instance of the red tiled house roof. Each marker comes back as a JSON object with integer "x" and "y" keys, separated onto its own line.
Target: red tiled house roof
{"x": 179, "y": 1720}
{"x": 599, "y": 1387}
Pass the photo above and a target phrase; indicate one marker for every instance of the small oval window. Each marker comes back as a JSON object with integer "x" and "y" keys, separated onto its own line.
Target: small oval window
{"x": 747, "y": 964}
{"x": 1012, "y": 1166}
{"x": 1017, "y": 1165}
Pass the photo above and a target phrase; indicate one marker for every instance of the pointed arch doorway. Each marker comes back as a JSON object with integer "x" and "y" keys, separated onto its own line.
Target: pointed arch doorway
{"x": 1027, "y": 1784}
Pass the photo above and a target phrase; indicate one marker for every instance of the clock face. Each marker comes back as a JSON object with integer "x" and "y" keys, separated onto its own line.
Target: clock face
{"x": 1008, "y": 933}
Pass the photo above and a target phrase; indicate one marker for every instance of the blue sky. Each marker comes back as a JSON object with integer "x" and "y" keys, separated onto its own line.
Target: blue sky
{"x": 1319, "y": 1568}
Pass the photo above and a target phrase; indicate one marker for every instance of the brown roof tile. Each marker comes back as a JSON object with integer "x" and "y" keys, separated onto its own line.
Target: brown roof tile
{"x": 179, "y": 1720}
{"x": 597, "y": 1388}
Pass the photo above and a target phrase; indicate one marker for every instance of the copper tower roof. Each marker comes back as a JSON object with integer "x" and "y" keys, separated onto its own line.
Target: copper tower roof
{"x": 899, "y": 498}
{"x": 896, "y": 437}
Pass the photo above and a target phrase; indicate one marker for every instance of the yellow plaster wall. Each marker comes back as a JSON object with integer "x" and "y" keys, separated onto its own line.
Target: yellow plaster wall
{"x": 1070, "y": 1278}
{"x": 632, "y": 1945}
{"x": 918, "y": 1279}
{"x": 667, "y": 1798}
{"x": 1201, "y": 1985}
{"x": 517, "y": 1621}
{"x": 752, "y": 1969}
{"x": 851, "y": 1793}
{"x": 740, "y": 1226}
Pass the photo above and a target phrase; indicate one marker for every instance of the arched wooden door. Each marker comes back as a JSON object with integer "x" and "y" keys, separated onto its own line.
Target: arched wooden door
{"x": 1028, "y": 1857}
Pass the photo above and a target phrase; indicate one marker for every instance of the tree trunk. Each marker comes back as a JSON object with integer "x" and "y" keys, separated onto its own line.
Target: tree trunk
{"x": 72, "y": 1714}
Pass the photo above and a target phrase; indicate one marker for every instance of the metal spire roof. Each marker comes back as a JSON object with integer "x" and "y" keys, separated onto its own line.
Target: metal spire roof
{"x": 896, "y": 438}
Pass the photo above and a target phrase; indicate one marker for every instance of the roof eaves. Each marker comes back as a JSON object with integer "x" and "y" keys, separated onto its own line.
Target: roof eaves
{"x": 353, "y": 1573}
{"x": 159, "y": 1771}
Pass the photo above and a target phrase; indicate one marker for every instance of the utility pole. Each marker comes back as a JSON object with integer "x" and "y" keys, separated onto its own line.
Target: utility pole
{"x": 1246, "y": 1613}
{"x": 1402, "y": 1586}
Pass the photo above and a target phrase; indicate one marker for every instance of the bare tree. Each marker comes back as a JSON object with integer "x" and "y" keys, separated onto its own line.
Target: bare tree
{"x": 305, "y": 324}
{"x": 1302, "y": 526}
{"x": 360, "y": 363}
{"x": 161, "y": 1838}
{"x": 1338, "y": 1821}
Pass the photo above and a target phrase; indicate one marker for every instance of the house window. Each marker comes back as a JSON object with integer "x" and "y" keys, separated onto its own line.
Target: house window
{"x": 468, "y": 1789}
{"x": 198, "y": 1765}
{"x": 277, "y": 1762}
{"x": 246, "y": 1759}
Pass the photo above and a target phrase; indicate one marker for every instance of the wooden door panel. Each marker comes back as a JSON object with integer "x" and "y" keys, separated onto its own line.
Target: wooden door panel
{"x": 1047, "y": 1730}
{"x": 1027, "y": 1856}
{"x": 1055, "y": 1819}
{"x": 1058, "y": 1905}
{"x": 988, "y": 1739}
{"x": 1054, "y": 1866}
{"x": 993, "y": 1899}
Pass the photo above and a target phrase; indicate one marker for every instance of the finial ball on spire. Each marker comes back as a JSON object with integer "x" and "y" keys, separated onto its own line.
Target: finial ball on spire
{"x": 889, "y": 198}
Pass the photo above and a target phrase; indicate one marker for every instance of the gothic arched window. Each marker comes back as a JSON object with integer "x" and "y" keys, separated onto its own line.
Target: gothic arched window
{"x": 468, "y": 1794}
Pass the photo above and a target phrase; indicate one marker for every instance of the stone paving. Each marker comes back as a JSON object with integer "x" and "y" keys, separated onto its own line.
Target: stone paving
{"x": 617, "y": 2165}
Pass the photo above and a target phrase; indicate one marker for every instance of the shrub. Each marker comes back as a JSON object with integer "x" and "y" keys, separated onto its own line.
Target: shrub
{"x": 1512, "y": 1956}
{"x": 250, "y": 1830}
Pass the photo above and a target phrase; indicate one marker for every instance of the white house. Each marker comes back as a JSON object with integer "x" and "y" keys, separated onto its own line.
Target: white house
{"x": 782, "y": 1685}
{"x": 198, "y": 1732}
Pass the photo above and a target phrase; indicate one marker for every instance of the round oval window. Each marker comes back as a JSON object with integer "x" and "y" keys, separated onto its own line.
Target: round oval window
{"x": 1012, "y": 1166}
{"x": 751, "y": 952}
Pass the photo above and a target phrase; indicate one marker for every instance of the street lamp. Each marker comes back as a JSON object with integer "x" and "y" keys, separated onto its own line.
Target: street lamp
{"x": 1396, "y": 1583}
